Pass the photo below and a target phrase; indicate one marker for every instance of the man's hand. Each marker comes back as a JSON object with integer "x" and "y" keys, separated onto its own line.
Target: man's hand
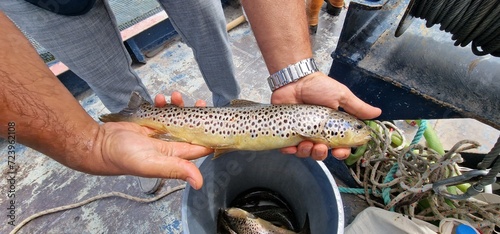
{"x": 319, "y": 89}
{"x": 127, "y": 148}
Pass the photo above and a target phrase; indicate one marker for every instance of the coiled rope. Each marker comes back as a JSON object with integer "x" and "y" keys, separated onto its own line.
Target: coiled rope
{"x": 476, "y": 21}
{"x": 386, "y": 192}
{"x": 410, "y": 183}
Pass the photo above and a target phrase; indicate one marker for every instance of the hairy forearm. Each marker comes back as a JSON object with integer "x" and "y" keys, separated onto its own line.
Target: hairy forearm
{"x": 47, "y": 117}
{"x": 281, "y": 30}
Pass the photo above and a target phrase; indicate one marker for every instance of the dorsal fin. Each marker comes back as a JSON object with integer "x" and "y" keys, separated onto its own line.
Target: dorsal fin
{"x": 135, "y": 102}
{"x": 243, "y": 102}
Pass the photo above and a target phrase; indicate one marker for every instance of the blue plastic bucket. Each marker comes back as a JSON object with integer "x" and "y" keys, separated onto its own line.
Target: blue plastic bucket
{"x": 306, "y": 184}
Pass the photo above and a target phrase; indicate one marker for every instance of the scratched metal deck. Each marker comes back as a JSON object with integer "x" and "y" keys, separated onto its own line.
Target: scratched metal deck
{"x": 41, "y": 183}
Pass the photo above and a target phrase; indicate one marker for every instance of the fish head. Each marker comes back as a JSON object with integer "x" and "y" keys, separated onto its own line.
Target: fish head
{"x": 238, "y": 213}
{"x": 240, "y": 220}
{"x": 343, "y": 130}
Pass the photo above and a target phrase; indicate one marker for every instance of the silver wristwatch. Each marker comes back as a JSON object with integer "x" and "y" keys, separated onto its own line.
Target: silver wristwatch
{"x": 292, "y": 73}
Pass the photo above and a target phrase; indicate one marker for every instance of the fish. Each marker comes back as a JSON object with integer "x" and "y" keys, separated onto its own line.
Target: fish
{"x": 239, "y": 221}
{"x": 278, "y": 216}
{"x": 245, "y": 125}
{"x": 268, "y": 205}
{"x": 255, "y": 196}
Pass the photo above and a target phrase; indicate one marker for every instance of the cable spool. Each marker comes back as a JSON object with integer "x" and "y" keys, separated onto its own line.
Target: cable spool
{"x": 476, "y": 21}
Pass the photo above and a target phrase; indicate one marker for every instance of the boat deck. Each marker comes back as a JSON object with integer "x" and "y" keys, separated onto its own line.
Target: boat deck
{"x": 42, "y": 183}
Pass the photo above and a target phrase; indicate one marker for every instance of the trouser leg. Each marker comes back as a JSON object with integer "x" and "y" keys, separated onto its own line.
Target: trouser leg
{"x": 90, "y": 45}
{"x": 202, "y": 26}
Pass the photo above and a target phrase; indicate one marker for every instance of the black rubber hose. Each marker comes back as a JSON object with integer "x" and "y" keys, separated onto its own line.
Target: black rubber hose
{"x": 469, "y": 21}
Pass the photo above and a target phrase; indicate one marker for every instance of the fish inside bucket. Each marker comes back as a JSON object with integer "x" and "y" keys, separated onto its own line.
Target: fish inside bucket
{"x": 268, "y": 181}
{"x": 259, "y": 210}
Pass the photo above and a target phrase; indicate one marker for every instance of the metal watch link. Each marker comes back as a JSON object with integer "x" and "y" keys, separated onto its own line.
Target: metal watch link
{"x": 292, "y": 73}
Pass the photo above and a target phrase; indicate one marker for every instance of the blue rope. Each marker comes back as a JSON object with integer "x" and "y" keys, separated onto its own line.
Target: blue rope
{"x": 386, "y": 192}
{"x": 420, "y": 132}
{"x": 353, "y": 190}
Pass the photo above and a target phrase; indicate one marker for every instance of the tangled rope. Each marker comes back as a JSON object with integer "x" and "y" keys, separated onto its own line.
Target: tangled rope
{"x": 410, "y": 190}
{"x": 476, "y": 21}
{"x": 92, "y": 199}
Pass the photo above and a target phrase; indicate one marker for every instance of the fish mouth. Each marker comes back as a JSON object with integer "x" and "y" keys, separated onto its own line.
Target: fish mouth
{"x": 367, "y": 137}
{"x": 363, "y": 140}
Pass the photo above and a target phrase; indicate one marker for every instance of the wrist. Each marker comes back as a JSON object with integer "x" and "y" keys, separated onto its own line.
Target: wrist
{"x": 292, "y": 73}
{"x": 87, "y": 156}
{"x": 293, "y": 92}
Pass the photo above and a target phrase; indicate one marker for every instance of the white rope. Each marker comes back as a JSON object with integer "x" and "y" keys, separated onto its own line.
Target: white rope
{"x": 92, "y": 199}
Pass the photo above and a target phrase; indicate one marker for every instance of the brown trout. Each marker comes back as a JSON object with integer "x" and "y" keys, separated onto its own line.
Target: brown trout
{"x": 236, "y": 220}
{"x": 246, "y": 125}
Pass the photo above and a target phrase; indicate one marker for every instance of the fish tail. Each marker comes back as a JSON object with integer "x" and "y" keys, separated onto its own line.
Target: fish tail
{"x": 133, "y": 107}
{"x": 115, "y": 117}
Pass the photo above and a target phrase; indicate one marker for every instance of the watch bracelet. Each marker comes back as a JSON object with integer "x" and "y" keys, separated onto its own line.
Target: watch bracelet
{"x": 292, "y": 73}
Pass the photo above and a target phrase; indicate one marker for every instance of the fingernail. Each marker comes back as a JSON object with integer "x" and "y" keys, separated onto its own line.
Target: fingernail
{"x": 319, "y": 155}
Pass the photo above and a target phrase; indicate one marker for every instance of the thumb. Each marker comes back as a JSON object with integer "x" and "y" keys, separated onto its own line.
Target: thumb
{"x": 357, "y": 107}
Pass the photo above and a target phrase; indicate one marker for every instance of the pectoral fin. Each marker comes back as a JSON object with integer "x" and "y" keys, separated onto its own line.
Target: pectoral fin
{"x": 219, "y": 152}
{"x": 304, "y": 134}
{"x": 308, "y": 136}
{"x": 167, "y": 137}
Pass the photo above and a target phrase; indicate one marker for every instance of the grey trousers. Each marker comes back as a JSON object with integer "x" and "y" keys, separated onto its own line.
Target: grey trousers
{"x": 91, "y": 46}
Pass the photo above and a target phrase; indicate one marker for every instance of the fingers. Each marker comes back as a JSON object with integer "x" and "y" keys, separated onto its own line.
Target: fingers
{"x": 171, "y": 161}
{"x": 176, "y": 98}
{"x": 161, "y": 166}
{"x": 316, "y": 152}
{"x": 289, "y": 150}
{"x": 308, "y": 149}
{"x": 160, "y": 100}
{"x": 200, "y": 103}
{"x": 341, "y": 153}
{"x": 304, "y": 149}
